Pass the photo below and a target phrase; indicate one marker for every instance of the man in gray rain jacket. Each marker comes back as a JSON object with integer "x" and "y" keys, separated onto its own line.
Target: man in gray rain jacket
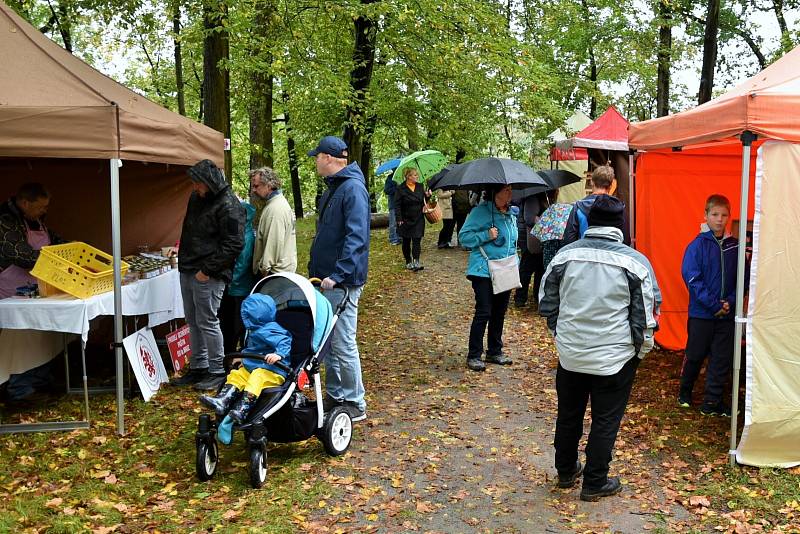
{"x": 601, "y": 300}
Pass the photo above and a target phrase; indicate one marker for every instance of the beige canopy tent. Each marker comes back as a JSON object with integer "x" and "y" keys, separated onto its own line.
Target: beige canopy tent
{"x": 706, "y": 150}
{"x": 59, "y": 117}
{"x": 575, "y": 161}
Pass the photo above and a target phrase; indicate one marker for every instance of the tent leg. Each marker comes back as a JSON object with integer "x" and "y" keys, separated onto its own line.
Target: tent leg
{"x": 747, "y": 140}
{"x": 632, "y": 197}
{"x": 116, "y": 247}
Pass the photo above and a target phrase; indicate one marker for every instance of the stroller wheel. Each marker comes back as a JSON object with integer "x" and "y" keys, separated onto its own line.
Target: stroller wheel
{"x": 258, "y": 466}
{"x": 207, "y": 459}
{"x": 337, "y": 432}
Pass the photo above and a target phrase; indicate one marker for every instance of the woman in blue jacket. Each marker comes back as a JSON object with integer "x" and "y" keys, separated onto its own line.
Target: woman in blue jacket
{"x": 490, "y": 229}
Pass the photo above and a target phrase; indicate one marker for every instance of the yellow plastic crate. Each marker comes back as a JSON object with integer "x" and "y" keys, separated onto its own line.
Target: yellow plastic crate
{"x": 77, "y": 268}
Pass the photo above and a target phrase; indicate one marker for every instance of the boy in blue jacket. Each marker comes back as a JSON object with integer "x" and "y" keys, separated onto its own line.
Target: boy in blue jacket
{"x": 272, "y": 343}
{"x": 709, "y": 271}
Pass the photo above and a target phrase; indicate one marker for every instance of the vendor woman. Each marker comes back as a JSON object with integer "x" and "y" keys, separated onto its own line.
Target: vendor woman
{"x": 22, "y": 234}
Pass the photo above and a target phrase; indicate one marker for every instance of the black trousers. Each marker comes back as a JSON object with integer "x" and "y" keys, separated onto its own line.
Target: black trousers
{"x": 230, "y": 322}
{"x": 490, "y": 310}
{"x": 446, "y": 233}
{"x": 609, "y": 396}
{"x": 459, "y": 218}
{"x": 530, "y": 266}
{"x": 411, "y": 248}
{"x": 712, "y": 338}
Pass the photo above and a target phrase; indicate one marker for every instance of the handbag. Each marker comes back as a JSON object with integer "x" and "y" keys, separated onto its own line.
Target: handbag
{"x": 432, "y": 212}
{"x": 504, "y": 273}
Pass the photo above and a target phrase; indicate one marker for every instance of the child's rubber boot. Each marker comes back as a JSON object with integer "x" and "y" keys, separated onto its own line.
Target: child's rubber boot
{"x": 239, "y": 412}
{"x": 225, "y": 431}
{"x": 222, "y": 401}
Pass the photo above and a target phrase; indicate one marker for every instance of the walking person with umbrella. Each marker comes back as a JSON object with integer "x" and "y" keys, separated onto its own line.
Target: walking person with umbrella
{"x": 409, "y": 202}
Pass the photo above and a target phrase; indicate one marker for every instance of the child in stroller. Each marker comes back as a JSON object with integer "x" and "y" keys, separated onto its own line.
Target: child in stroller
{"x": 267, "y": 342}
{"x": 281, "y": 413}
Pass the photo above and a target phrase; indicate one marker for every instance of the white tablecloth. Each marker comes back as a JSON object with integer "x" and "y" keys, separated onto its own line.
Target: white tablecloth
{"x": 159, "y": 298}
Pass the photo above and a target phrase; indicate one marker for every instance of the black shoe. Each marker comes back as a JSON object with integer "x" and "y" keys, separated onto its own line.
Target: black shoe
{"x": 212, "y": 381}
{"x": 476, "y": 364}
{"x": 192, "y": 376}
{"x": 410, "y": 266}
{"x": 356, "y": 413}
{"x": 684, "y": 401}
{"x": 567, "y": 481}
{"x": 612, "y": 487}
{"x": 519, "y": 304}
{"x": 720, "y": 409}
{"x": 417, "y": 265}
{"x": 242, "y": 408}
{"x": 499, "y": 359}
{"x": 223, "y": 401}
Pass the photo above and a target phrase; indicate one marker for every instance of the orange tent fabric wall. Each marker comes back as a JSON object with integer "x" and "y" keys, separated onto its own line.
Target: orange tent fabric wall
{"x": 671, "y": 190}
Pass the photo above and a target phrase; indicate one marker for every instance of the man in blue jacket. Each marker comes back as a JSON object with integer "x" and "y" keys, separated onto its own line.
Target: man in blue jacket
{"x": 340, "y": 257}
{"x": 709, "y": 271}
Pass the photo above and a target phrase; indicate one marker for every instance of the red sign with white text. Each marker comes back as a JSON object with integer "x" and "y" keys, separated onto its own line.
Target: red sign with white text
{"x": 180, "y": 350}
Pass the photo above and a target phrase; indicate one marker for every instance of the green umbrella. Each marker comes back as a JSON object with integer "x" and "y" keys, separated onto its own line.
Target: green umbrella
{"x": 426, "y": 162}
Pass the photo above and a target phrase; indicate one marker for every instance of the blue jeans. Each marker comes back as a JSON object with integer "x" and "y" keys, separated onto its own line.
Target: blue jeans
{"x": 393, "y": 237}
{"x": 343, "y": 380}
{"x": 200, "y": 306}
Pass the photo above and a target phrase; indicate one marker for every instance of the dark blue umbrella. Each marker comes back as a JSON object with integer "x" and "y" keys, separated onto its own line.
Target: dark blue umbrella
{"x": 387, "y": 166}
{"x": 479, "y": 173}
{"x": 434, "y": 181}
{"x": 555, "y": 178}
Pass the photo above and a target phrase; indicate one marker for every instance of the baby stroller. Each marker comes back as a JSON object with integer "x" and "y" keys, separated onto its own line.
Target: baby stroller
{"x": 283, "y": 414}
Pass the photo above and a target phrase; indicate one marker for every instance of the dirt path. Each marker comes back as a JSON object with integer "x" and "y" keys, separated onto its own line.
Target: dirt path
{"x": 445, "y": 449}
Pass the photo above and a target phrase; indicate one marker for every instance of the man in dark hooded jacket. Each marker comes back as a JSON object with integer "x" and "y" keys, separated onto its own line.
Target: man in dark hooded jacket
{"x": 211, "y": 239}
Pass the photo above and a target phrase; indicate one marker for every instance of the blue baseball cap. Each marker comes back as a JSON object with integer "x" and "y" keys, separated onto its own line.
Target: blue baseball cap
{"x": 331, "y": 145}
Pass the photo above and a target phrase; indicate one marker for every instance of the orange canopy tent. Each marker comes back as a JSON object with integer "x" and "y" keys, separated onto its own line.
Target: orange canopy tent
{"x": 688, "y": 156}
{"x": 69, "y": 126}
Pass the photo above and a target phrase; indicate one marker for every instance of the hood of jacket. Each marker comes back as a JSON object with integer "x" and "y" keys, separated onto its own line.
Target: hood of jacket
{"x": 352, "y": 171}
{"x": 257, "y": 309}
{"x": 208, "y": 173}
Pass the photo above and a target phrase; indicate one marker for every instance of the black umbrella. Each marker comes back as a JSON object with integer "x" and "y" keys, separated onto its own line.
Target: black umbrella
{"x": 439, "y": 175}
{"x": 555, "y": 178}
{"x": 479, "y": 173}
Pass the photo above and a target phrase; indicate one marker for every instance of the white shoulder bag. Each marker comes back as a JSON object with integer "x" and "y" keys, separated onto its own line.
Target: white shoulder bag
{"x": 504, "y": 272}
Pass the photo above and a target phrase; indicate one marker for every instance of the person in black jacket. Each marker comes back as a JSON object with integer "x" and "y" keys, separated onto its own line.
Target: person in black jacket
{"x": 409, "y": 201}
{"x": 211, "y": 239}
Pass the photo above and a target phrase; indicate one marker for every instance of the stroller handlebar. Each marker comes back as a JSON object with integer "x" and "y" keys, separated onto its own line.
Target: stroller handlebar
{"x": 279, "y": 364}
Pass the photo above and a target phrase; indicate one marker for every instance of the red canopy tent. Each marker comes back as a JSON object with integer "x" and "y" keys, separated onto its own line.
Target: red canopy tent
{"x": 606, "y": 141}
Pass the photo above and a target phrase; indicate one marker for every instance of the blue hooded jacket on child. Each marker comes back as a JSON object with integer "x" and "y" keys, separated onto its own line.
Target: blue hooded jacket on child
{"x": 265, "y": 336}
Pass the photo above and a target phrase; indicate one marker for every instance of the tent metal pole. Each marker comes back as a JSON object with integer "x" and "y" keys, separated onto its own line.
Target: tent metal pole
{"x": 632, "y": 197}
{"x": 747, "y": 141}
{"x": 116, "y": 250}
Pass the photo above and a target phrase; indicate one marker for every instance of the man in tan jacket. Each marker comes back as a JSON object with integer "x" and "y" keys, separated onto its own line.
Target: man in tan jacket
{"x": 275, "y": 245}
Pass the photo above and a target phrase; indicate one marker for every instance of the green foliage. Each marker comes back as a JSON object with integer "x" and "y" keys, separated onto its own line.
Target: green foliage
{"x": 472, "y": 77}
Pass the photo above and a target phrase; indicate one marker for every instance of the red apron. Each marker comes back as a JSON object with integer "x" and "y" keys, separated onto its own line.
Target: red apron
{"x": 13, "y": 276}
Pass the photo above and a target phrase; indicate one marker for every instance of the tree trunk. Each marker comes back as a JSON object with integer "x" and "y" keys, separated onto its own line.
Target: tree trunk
{"x": 176, "y": 40}
{"x": 412, "y": 132}
{"x": 60, "y": 19}
{"x": 216, "y": 78}
{"x": 593, "y": 79}
{"x": 297, "y": 193}
{"x": 664, "y": 58}
{"x": 366, "y": 31}
{"x": 587, "y": 16}
{"x": 709, "y": 52}
{"x": 262, "y": 88}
